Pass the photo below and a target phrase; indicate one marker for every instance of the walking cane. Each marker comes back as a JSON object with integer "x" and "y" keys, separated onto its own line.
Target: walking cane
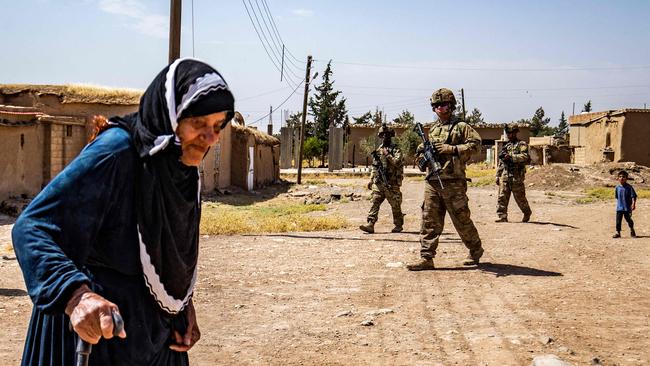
{"x": 84, "y": 348}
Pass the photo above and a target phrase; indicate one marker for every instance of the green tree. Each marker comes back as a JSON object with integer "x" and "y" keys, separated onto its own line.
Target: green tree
{"x": 405, "y": 118}
{"x": 587, "y": 106}
{"x": 294, "y": 120}
{"x": 562, "y": 127}
{"x": 326, "y": 107}
{"x": 368, "y": 145}
{"x": 363, "y": 119}
{"x": 475, "y": 117}
{"x": 539, "y": 123}
{"x": 312, "y": 148}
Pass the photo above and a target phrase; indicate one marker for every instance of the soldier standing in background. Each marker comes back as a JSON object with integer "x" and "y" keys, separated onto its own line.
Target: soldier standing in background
{"x": 391, "y": 161}
{"x": 455, "y": 141}
{"x": 511, "y": 172}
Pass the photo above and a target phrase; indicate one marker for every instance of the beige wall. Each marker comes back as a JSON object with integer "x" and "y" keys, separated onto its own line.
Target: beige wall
{"x": 215, "y": 168}
{"x": 239, "y": 161}
{"x": 605, "y": 132}
{"x": 21, "y": 166}
{"x": 267, "y": 164}
{"x": 636, "y": 138}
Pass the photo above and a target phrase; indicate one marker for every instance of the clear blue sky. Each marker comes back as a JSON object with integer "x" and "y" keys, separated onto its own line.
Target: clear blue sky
{"x": 510, "y": 56}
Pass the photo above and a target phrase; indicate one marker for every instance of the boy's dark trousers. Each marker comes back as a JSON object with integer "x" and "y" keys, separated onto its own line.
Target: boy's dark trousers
{"x": 619, "y": 219}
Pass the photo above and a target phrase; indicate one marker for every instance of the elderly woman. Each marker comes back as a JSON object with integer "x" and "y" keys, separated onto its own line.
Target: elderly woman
{"x": 118, "y": 230}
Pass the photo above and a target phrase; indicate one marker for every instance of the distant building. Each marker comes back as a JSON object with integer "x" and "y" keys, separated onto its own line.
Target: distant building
{"x": 611, "y": 136}
{"x": 44, "y": 127}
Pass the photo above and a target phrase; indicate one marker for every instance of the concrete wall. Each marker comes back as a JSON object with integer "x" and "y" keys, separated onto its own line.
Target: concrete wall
{"x": 21, "y": 162}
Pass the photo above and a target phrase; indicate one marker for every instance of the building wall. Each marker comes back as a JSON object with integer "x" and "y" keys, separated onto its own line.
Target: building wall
{"x": 635, "y": 143}
{"x": 215, "y": 168}
{"x": 239, "y": 162}
{"x": 604, "y": 133}
{"x": 267, "y": 164}
{"x": 21, "y": 163}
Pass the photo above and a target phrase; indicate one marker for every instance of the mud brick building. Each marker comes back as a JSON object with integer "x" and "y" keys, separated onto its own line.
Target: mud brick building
{"x": 611, "y": 136}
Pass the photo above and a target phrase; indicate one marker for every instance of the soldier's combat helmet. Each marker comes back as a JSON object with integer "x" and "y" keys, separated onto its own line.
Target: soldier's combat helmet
{"x": 385, "y": 130}
{"x": 443, "y": 95}
{"x": 510, "y": 129}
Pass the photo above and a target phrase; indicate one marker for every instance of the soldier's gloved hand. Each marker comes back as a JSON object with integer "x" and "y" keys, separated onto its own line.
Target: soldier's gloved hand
{"x": 498, "y": 181}
{"x": 369, "y": 185}
{"x": 506, "y": 157}
{"x": 444, "y": 148}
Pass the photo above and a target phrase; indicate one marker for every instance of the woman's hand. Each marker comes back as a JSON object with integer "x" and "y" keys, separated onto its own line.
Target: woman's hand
{"x": 183, "y": 343}
{"x": 91, "y": 315}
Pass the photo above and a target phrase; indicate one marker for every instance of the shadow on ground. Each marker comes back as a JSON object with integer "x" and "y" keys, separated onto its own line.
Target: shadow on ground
{"x": 12, "y": 292}
{"x": 236, "y": 196}
{"x": 552, "y": 223}
{"x": 502, "y": 270}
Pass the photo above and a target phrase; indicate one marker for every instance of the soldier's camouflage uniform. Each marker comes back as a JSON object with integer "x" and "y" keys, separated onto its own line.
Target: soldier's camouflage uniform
{"x": 453, "y": 198}
{"x": 393, "y": 164}
{"x": 511, "y": 176}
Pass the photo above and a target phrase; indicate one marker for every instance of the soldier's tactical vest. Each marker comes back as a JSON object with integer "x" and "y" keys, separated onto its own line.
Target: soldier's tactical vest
{"x": 395, "y": 173}
{"x": 453, "y": 166}
{"x": 515, "y": 170}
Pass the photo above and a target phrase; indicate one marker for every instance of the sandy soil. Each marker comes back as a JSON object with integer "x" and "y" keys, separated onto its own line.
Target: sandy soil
{"x": 557, "y": 285}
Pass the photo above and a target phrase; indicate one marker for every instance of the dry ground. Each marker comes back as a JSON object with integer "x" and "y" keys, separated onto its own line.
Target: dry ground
{"x": 558, "y": 285}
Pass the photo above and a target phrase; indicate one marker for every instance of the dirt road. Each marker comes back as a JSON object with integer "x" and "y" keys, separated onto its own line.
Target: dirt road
{"x": 557, "y": 285}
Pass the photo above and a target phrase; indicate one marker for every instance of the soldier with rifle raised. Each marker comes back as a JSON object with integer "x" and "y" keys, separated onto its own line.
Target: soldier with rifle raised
{"x": 386, "y": 180}
{"x": 454, "y": 142}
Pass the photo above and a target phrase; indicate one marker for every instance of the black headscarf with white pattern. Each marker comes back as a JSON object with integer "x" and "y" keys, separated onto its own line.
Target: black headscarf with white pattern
{"x": 168, "y": 192}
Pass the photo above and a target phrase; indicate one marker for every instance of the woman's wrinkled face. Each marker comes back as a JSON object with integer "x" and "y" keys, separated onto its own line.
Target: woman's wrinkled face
{"x": 197, "y": 135}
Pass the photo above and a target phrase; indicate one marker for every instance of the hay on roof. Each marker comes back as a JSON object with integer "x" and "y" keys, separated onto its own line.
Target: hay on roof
{"x": 260, "y": 137}
{"x": 77, "y": 93}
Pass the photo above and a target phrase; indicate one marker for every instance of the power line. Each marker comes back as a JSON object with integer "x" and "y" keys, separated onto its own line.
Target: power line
{"x": 276, "y": 52}
{"x": 289, "y": 81}
{"x": 281, "y": 104}
{"x": 501, "y": 89}
{"x": 261, "y": 94}
{"x": 569, "y": 68}
{"x": 277, "y": 32}
{"x": 192, "y": 28}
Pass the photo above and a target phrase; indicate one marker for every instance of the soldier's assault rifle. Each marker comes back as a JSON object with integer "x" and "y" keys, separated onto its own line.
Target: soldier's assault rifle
{"x": 376, "y": 162}
{"x": 502, "y": 156}
{"x": 429, "y": 156}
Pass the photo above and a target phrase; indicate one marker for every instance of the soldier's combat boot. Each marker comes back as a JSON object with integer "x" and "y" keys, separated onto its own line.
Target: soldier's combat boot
{"x": 632, "y": 233}
{"x": 617, "y": 235}
{"x": 397, "y": 229}
{"x": 369, "y": 227}
{"x": 424, "y": 264}
{"x": 501, "y": 219}
{"x": 526, "y": 218}
{"x": 473, "y": 259}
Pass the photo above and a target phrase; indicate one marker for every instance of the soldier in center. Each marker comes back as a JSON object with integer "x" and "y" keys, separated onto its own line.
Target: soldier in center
{"x": 454, "y": 141}
{"x": 388, "y": 158}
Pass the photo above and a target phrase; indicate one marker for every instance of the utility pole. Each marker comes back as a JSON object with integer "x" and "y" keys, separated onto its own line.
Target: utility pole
{"x": 175, "y": 30}
{"x": 573, "y": 112}
{"x": 462, "y": 98}
{"x": 282, "y": 68}
{"x": 304, "y": 117}
{"x": 269, "y": 127}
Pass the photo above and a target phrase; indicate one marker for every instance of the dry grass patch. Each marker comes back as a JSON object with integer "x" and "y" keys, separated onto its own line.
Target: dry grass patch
{"x": 605, "y": 193}
{"x": 278, "y": 217}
